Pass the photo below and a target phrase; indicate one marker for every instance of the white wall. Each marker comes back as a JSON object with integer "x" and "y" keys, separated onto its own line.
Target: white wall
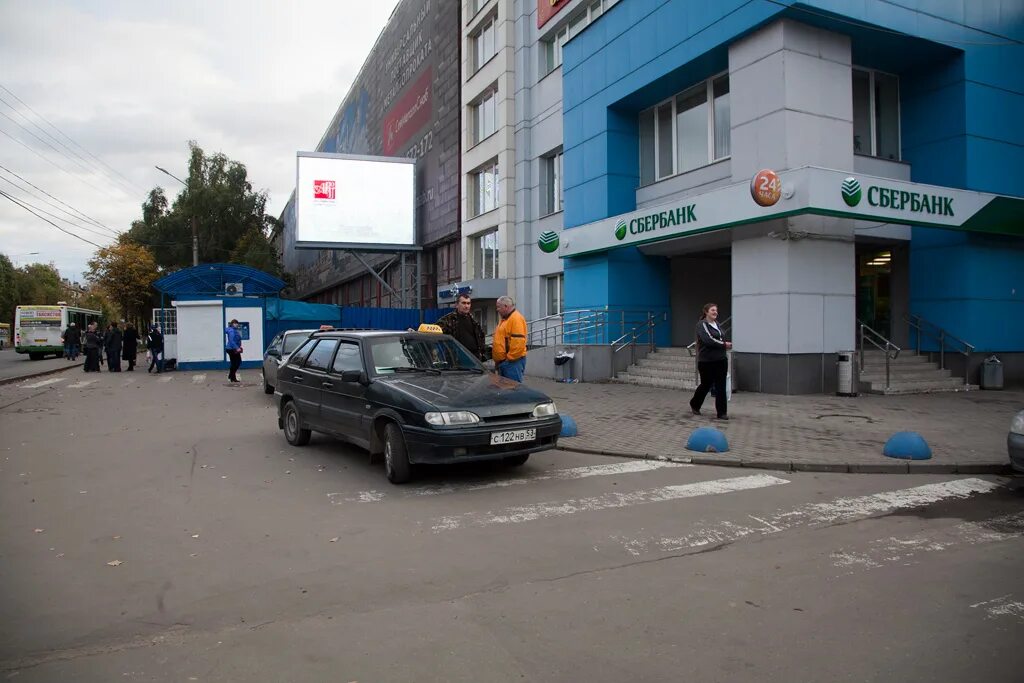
{"x": 253, "y": 347}
{"x": 201, "y": 331}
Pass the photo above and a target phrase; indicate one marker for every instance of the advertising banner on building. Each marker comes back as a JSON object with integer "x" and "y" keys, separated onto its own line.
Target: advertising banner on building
{"x": 403, "y": 103}
{"x": 547, "y": 9}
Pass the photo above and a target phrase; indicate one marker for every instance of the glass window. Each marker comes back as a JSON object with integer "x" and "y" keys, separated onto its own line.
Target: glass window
{"x": 397, "y": 355}
{"x": 302, "y": 352}
{"x": 485, "y": 190}
{"x": 347, "y": 358}
{"x": 723, "y": 120}
{"x": 647, "y": 141}
{"x": 555, "y": 285}
{"x": 320, "y": 357}
{"x": 553, "y": 190}
{"x": 485, "y": 266}
{"x": 665, "y": 141}
{"x": 291, "y": 341}
{"x": 486, "y": 116}
{"x": 692, "y": 121}
{"x": 876, "y": 114}
{"x": 485, "y": 43}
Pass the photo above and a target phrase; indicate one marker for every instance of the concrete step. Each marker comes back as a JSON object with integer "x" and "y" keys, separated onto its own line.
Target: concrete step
{"x": 627, "y": 378}
{"x": 918, "y": 387}
{"x": 665, "y": 373}
{"x": 677, "y": 364}
{"x": 673, "y": 351}
{"x": 902, "y": 359}
{"x": 910, "y": 373}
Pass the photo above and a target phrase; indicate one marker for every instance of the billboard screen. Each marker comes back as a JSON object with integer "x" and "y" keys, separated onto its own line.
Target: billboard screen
{"x": 347, "y": 201}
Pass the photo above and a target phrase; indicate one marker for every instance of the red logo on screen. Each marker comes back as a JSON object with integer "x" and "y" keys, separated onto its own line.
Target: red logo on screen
{"x": 323, "y": 189}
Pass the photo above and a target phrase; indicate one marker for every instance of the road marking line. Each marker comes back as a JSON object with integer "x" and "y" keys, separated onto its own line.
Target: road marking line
{"x": 1003, "y": 606}
{"x": 166, "y": 379}
{"x": 528, "y": 513}
{"x": 80, "y": 385}
{"x": 198, "y": 379}
{"x": 374, "y": 496}
{"x": 43, "y": 383}
{"x": 815, "y": 514}
{"x": 894, "y": 550}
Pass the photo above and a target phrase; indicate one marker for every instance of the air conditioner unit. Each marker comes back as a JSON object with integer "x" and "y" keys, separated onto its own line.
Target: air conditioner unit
{"x": 233, "y": 289}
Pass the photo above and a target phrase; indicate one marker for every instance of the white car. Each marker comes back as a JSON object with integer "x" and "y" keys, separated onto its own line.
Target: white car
{"x": 280, "y": 348}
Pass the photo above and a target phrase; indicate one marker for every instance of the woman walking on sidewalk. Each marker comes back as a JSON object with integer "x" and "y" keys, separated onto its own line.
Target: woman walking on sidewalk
{"x": 712, "y": 362}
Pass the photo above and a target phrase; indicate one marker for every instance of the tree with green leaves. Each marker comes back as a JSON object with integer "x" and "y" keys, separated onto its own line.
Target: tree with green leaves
{"x": 8, "y": 290}
{"x": 229, "y": 215}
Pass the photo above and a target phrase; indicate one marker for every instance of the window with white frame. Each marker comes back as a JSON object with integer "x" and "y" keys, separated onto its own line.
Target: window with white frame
{"x": 485, "y": 255}
{"x": 485, "y": 189}
{"x": 554, "y": 192}
{"x": 484, "y": 43}
{"x": 552, "y": 47}
{"x": 554, "y": 294}
{"x": 687, "y": 131}
{"x": 485, "y": 116}
{"x": 876, "y": 114}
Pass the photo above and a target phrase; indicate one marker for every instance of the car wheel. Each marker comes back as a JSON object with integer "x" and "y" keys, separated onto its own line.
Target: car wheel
{"x": 516, "y": 460}
{"x": 396, "y": 457}
{"x": 293, "y": 430}
{"x": 267, "y": 389}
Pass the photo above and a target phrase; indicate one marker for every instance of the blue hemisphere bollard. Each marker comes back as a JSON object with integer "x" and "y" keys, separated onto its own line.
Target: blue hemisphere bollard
{"x": 907, "y": 446}
{"x": 568, "y": 426}
{"x": 707, "y": 440}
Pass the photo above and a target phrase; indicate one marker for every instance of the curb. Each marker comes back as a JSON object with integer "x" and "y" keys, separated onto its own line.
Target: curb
{"x": 54, "y": 371}
{"x": 831, "y": 467}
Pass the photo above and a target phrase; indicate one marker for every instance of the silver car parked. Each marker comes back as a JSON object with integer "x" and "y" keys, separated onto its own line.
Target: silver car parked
{"x": 280, "y": 348}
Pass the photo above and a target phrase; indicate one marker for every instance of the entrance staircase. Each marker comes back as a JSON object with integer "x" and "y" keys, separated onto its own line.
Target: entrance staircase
{"x": 667, "y": 367}
{"x": 909, "y": 373}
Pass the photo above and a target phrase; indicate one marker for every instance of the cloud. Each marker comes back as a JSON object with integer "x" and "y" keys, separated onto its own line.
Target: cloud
{"x": 132, "y": 82}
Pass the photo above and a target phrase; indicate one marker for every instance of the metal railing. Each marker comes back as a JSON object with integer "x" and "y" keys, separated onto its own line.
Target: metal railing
{"x": 871, "y": 336}
{"x": 942, "y": 336}
{"x": 585, "y": 326}
{"x": 630, "y": 339}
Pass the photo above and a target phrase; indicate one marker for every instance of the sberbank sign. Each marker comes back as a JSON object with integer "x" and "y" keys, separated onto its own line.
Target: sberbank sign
{"x": 656, "y": 221}
{"x": 898, "y": 200}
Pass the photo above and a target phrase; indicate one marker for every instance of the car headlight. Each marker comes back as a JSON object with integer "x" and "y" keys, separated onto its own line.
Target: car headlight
{"x": 1017, "y": 425}
{"x": 545, "y": 410}
{"x": 457, "y": 417}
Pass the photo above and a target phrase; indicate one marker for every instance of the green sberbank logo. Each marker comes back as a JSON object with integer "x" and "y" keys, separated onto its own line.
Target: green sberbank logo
{"x": 620, "y": 230}
{"x": 548, "y": 241}
{"x": 851, "y": 191}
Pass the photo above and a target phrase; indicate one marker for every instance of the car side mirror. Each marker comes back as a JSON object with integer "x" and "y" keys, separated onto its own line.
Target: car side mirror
{"x": 352, "y": 376}
{"x": 274, "y": 352}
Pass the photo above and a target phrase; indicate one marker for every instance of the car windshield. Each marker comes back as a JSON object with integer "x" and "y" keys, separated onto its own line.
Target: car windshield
{"x": 292, "y": 341}
{"x": 404, "y": 354}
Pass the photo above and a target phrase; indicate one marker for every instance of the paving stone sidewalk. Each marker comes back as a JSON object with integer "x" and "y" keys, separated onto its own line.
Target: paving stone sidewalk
{"x": 966, "y": 430}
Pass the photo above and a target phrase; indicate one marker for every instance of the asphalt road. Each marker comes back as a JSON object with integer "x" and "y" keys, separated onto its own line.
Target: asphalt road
{"x": 160, "y": 529}
{"x": 14, "y": 364}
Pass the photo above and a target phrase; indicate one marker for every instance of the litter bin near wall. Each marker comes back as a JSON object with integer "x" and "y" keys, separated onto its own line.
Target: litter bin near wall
{"x": 564, "y": 361}
{"x": 846, "y": 384}
{"x": 991, "y": 373}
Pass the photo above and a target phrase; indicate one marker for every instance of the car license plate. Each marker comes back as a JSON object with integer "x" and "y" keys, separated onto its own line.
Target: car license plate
{"x": 515, "y": 436}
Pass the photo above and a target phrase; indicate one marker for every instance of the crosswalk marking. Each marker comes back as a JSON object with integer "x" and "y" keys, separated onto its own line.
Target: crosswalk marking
{"x": 374, "y": 496}
{"x": 1003, "y": 606}
{"x": 892, "y": 550}
{"x": 43, "y": 383}
{"x": 814, "y": 514}
{"x": 81, "y": 385}
{"x": 527, "y": 513}
{"x": 198, "y": 379}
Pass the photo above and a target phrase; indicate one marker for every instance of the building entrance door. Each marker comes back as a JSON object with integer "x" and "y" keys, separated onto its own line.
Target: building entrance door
{"x": 875, "y": 289}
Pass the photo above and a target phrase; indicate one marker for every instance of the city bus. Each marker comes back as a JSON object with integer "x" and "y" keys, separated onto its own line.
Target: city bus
{"x": 5, "y": 336}
{"x": 37, "y": 329}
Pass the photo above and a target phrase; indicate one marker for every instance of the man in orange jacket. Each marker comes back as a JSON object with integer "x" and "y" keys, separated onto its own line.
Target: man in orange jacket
{"x": 509, "y": 348}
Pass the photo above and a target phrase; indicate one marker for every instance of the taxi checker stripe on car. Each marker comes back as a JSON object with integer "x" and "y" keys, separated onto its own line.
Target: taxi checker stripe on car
{"x": 529, "y": 513}
{"x": 558, "y": 475}
{"x": 813, "y": 514}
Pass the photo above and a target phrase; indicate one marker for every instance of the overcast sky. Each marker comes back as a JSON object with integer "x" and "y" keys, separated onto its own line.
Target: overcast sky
{"x": 132, "y": 81}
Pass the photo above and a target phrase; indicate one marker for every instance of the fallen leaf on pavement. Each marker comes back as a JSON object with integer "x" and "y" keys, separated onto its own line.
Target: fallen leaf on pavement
{"x": 39, "y": 531}
{"x": 195, "y": 535}
{"x": 334, "y": 540}
{"x": 115, "y": 563}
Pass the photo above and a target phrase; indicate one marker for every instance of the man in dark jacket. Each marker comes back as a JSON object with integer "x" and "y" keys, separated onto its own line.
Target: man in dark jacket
{"x": 461, "y": 324}
{"x": 155, "y": 344}
{"x": 93, "y": 342}
{"x": 112, "y": 345}
{"x": 72, "y": 342}
{"x": 131, "y": 346}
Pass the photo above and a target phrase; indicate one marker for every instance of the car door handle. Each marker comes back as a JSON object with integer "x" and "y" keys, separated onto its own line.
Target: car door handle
{"x": 297, "y": 378}
{"x": 327, "y": 385}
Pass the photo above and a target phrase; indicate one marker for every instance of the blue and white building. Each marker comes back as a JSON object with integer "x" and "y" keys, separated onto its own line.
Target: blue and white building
{"x": 893, "y": 128}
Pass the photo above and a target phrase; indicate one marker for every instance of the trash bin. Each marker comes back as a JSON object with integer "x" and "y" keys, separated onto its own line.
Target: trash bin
{"x": 846, "y": 385}
{"x": 991, "y": 373}
{"x": 564, "y": 360}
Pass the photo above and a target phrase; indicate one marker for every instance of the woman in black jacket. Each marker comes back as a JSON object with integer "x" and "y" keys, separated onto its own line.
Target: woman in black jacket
{"x": 130, "y": 349}
{"x": 712, "y": 362}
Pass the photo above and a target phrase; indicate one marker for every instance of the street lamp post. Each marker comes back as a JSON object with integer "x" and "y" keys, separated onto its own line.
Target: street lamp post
{"x": 195, "y": 234}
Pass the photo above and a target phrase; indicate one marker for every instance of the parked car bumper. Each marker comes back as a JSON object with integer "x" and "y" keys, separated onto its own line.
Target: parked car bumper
{"x": 441, "y": 447}
{"x": 1015, "y": 445}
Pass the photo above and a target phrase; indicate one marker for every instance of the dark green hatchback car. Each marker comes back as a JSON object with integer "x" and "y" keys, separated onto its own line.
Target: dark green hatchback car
{"x": 413, "y": 398}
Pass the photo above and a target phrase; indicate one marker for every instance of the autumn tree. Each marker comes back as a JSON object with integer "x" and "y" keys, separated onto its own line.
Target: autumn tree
{"x": 125, "y": 272}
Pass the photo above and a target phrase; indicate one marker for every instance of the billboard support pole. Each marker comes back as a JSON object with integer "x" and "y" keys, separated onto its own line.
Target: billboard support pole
{"x": 375, "y": 274}
{"x": 405, "y": 285}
